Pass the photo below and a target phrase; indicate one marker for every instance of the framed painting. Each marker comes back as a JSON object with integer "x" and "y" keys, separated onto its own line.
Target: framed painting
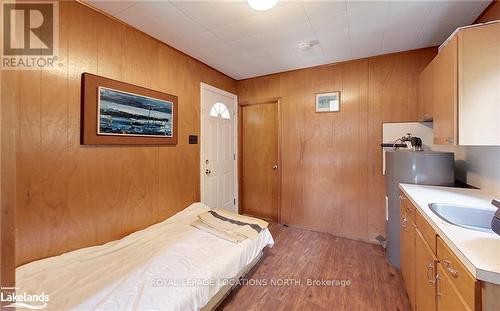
{"x": 118, "y": 113}
{"x": 328, "y": 102}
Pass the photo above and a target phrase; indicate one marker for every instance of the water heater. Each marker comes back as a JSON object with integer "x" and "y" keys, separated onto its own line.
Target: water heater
{"x": 411, "y": 167}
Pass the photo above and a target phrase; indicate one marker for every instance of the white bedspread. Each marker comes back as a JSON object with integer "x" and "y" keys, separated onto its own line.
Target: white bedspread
{"x": 168, "y": 266}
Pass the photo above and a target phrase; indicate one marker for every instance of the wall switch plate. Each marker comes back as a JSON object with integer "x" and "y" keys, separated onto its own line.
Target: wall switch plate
{"x": 193, "y": 139}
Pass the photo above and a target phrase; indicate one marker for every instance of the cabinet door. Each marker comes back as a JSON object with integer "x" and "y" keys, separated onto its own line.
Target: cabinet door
{"x": 448, "y": 298}
{"x": 479, "y": 85}
{"x": 425, "y": 91}
{"x": 407, "y": 253}
{"x": 445, "y": 94}
{"x": 463, "y": 281}
{"x": 425, "y": 274}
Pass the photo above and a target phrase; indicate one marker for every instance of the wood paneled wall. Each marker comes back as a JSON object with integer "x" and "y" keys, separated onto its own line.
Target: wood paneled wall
{"x": 71, "y": 196}
{"x": 8, "y": 171}
{"x": 332, "y": 162}
{"x": 491, "y": 13}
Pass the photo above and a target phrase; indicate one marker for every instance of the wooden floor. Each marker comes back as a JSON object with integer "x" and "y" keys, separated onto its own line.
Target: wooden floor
{"x": 301, "y": 255}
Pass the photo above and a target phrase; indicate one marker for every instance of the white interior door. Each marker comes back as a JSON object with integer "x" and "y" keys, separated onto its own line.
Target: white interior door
{"x": 218, "y": 148}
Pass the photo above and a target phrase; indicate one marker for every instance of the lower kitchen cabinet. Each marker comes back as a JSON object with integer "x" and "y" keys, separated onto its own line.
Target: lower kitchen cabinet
{"x": 448, "y": 299}
{"x": 425, "y": 274}
{"x": 466, "y": 286}
{"x": 434, "y": 278}
{"x": 407, "y": 251}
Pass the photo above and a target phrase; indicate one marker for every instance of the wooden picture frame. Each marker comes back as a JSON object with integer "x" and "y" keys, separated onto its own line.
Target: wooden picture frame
{"x": 119, "y": 113}
{"x": 328, "y": 102}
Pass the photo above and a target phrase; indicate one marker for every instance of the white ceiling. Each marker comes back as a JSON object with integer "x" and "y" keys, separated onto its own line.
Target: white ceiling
{"x": 243, "y": 43}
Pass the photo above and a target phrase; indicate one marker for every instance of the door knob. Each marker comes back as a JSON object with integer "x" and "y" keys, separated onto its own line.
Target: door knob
{"x": 207, "y": 172}
{"x": 275, "y": 166}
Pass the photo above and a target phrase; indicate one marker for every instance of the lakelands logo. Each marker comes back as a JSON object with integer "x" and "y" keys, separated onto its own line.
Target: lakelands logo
{"x": 30, "y": 35}
{"x": 33, "y": 302}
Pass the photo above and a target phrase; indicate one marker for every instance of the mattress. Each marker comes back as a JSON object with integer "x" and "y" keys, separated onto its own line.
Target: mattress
{"x": 168, "y": 266}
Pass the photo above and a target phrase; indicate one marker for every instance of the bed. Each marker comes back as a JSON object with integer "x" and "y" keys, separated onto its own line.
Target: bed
{"x": 167, "y": 266}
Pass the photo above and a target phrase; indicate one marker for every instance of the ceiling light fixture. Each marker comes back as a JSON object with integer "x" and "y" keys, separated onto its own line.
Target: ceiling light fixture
{"x": 262, "y": 5}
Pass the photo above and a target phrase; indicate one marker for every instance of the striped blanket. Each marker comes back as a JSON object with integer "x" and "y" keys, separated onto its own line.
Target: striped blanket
{"x": 229, "y": 226}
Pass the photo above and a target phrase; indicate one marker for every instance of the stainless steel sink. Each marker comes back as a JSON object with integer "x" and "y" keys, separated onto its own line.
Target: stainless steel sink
{"x": 467, "y": 217}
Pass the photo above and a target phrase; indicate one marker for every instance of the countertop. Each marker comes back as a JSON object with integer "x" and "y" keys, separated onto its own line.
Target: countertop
{"x": 478, "y": 251}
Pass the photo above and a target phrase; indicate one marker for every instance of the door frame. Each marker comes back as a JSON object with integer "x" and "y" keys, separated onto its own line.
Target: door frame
{"x": 272, "y": 100}
{"x": 206, "y": 87}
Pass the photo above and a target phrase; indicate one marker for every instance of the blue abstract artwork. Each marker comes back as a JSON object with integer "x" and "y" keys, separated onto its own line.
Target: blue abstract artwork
{"x": 128, "y": 114}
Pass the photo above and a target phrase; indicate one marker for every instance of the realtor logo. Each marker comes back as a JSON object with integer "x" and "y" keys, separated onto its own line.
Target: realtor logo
{"x": 30, "y": 35}
{"x": 9, "y": 298}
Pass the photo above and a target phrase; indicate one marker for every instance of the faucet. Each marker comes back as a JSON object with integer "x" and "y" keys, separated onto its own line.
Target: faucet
{"x": 495, "y": 203}
{"x": 495, "y": 221}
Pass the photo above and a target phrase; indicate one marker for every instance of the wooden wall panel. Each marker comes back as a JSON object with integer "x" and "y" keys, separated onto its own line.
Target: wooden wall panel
{"x": 491, "y": 13}
{"x": 42, "y": 156}
{"x": 392, "y": 98}
{"x": 355, "y": 141}
{"x": 82, "y": 183}
{"x": 2, "y": 254}
{"x": 260, "y": 89}
{"x": 71, "y": 196}
{"x": 332, "y": 162}
{"x": 10, "y": 92}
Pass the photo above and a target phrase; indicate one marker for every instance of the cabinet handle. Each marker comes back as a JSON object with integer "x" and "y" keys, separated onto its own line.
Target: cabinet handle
{"x": 430, "y": 279}
{"x": 438, "y": 280}
{"x": 449, "y": 267}
{"x": 450, "y": 140}
{"x": 401, "y": 198}
{"x": 404, "y": 220}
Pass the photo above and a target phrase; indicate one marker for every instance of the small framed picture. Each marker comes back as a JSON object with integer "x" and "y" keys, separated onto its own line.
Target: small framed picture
{"x": 328, "y": 102}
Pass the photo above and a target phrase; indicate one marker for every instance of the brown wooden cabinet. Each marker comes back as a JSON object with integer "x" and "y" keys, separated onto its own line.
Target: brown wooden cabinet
{"x": 445, "y": 94}
{"x": 425, "y": 93}
{"x": 435, "y": 279}
{"x": 425, "y": 274}
{"x": 464, "y": 283}
{"x": 448, "y": 299}
{"x": 407, "y": 250}
{"x": 479, "y": 85}
{"x": 460, "y": 89}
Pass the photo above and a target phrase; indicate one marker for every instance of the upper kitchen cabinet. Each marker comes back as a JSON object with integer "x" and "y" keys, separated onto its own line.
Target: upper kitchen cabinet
{"x": 466, "y": 88}
{"x": 479, "y": 85}
{"x": 445, "y": 94}
{"x": 425, "y": 91}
